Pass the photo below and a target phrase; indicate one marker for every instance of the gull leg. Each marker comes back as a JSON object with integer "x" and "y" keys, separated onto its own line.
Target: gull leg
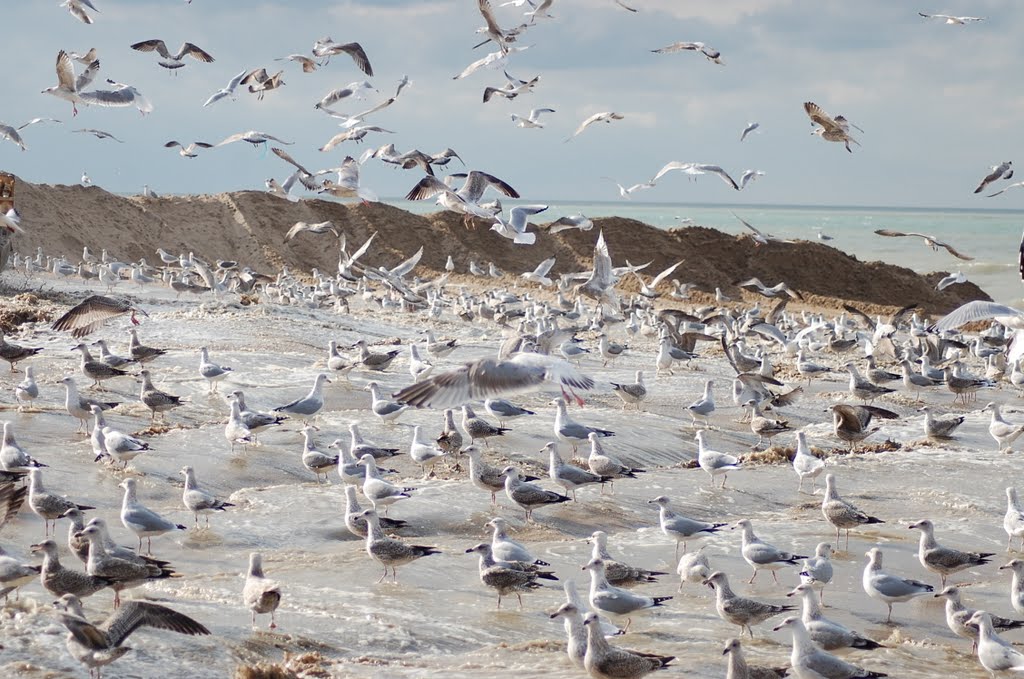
{"x": 751, "y": 580}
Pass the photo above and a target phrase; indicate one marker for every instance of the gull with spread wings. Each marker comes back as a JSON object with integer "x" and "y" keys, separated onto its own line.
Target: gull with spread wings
{"x": 605, "y": 117}
{"x": 10, "y": 133}
{"x": 173, "y": 61}
{"x": 92, "y": 312}
{"x": 952, "y": 20}
{"x": 465, "y": 201}
{"x": 931, "y": 241}
{"x": 759, "y": 237}
{"x": 326, "y": 48}
{"x": 694, "y": 169}
{"x": 830, "y": 129}
{"x": 709, "y": 52}
{"x": 1003, "y": 170}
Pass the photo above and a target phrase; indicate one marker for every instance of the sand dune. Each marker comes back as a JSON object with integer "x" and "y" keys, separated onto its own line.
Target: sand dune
{"x": 249, "y": 226}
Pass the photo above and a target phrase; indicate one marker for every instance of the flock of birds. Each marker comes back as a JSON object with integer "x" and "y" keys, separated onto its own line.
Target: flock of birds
{"x": 542, "y": 351}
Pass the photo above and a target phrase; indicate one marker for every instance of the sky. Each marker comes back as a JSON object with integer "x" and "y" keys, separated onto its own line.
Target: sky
{"x": 939, "y": 104}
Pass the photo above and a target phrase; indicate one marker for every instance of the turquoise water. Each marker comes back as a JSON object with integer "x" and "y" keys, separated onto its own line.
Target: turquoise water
{"x": 991, "y": 237}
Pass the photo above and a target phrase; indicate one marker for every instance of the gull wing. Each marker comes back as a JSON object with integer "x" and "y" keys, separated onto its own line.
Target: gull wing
{"x": 664, "y": 274}
{"x": 134, "y": 614}
{"x": 286, "y": 157}
{"x": 428, "y": 187}
{"x": 544, "y": 267}
{"x": 674, "y": 165}
{"x": 477, "y": 182}
{"x": 65, "y": 71}
{"x": 190, "y": 50}
{"x": 952, "y": 251}
{"x": 89, "y": 314}
{"x": 819, "y": 117}
{"x": 87, "y": 76}
{"x": 974, "y": 311}
{"x": 154, "y": 45}
{"x": 715, "y": 169}
{"x": 408, "y": 265}
{"x": 602, "y": 262}
{"x": 488, "y": 14}
{"x": 355, "y": 50}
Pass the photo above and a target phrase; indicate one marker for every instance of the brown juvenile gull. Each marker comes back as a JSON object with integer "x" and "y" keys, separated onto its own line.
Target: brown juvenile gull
{"x": 944, "y": 560}
{"x": 740, "y": 610}
{"x": 122, "y": 572}
{"x": 604, "y": 464}
{"x": 92, "y": 312}
{"x": 840, "y": 513}
{"x": 12, "y": 353}
{"x": 197, "y": 500}
{"x": 389, "y": 552}
{"x": 604, "y": 661}
{"x": 485, "y": 476}
{"x": 154, "y": 399}
{"x": 508, "y": 577}
{"x": 260, "y": 594}
{"x": 619, "y": 574}
{"x": 140, "y": 352}
{"x": 852, "y": 423}
{"x": 59, "y": 580}
{"x": 46, "y": 505}
{"x": 931, "y": 241}
{"x": 99, "y": 645}
{"x": 527, "y": 495}
{"x": 739, "y": 669}
{"x": 487, "y": 378}
{"x": 957, "y": 616}
{"x": 830, "y": 129}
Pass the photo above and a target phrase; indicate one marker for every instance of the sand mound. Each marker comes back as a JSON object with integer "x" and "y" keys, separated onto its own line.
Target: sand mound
{"x": 249, "y": 226}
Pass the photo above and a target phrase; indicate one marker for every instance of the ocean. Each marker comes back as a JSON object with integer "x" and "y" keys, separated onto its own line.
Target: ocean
{"x": 992, "y": 237}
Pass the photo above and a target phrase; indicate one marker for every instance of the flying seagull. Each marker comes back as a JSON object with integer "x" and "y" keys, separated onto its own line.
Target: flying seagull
{"x": 326, "y": 48}
{"x": 253, "y": 137}
{"x": 605, "y": 117}
{"x": 77, "y": 9}
{"x": 176, "y": 60}
{"x": 10, "y": 133}
{"x": 696, "y": 169}
{"x": 952, "y": 20}
{"x": 532, "y": 120}
{"x": 831, "y": 129}
{"x": 92, "y": 312}
{"x": 99, "y": 134}
{"x": 1003, "y": 170}
{"x": 710, "y": 52}
{"x": 748, "y": 129}
{"x": 189, "y": 151}
{"x": 1004, "y": 189}
{"x": 931, "y": 241}
{"x": 228, "y": 91}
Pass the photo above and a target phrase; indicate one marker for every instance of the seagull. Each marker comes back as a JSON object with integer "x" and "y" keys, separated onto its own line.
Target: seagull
{"x": 326, "y": 48}
{"x": 512, "y": 89}
{"x": 227, "y": 91}
{"x": 347, "y": 185}
{"x": 99, "y": 134}
{"x": 1002, "y": 171}
{"x": 951, "y": 279}
{"x": 540, "y": 274}
{"x": 260, "y": 82}
{"x": 952, "y": 20}
{"x": 253, "y": 137}
{"x": 489, "y": 378}
{"x": 532, "y": 120}
{"x": 77, "y": 9}
{"x": 605, "y": 117}
{"x": 353, "y": 89}
{"x": 176, "y": 60}
{"x": 540, "y": 11}
{"x": 709, "y": 52}
{"x": 121, "y": 95}
{"x": 189, "y": 151}
{"x": 308, "y": 65}
{"x": 319, "y": 227}
{"x": 515, "y": 228}
{"x": 931, "y": 241}
{"x": 626, "y": 191}
{"x": 749, "y": 176}
{"x": 577, "y": 221}
{"x": 748, "y": 129}
{"x": 69, "y": 87}
{"x": 11, "y": 133}
{"x": 99, "y": 645}
{"x": 466, "y": 200}
{"x": 92, "y": 312}
{"x": 830, "y": 129}
{"x": 696, "y": 169}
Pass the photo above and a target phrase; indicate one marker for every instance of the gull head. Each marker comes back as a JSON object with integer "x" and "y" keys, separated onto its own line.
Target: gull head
{"x": 730, "y": 646}
{"x": 567, "y": 609}
{"x": 661, "y": 500}
{"x": 798, "y": 590}
{"x": 482, "y": 548}
{"x": 594, "y": 565}
{"x": 788, "y": 622}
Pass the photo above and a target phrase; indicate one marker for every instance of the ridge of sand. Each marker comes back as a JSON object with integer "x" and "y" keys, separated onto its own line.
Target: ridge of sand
{"x": 249, "y": 226}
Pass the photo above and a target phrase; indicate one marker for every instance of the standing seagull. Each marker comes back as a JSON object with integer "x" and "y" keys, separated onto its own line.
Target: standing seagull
{"x": 141, "y": 520}
{"x": 310, "y": 404}
{"x": 840, "y": 513}
{"x": 260, "y": 594}
{"x": 889, "y": 588}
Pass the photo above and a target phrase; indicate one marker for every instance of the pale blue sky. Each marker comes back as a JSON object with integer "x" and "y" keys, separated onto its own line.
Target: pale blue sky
{"x": 939, "y": 104}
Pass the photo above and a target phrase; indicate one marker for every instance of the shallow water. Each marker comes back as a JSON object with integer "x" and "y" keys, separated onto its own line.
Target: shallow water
{"x": 438, "y": 618}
